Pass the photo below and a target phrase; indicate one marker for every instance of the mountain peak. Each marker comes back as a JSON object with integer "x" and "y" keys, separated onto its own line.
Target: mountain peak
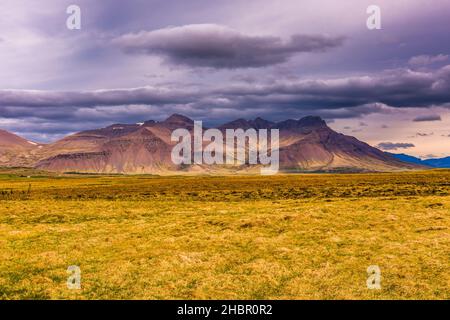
{"x": 178, "y": 118}
{"x": 236, "y": 124}
{"x": 149, "y": 123}
{"x": 305, "y": 122}
{"x": 8, "y": 139}
{"x": 312, "y": 121}
{"x": 260, "y": 123}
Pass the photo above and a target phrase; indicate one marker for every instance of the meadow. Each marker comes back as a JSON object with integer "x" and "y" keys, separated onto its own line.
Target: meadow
{"x": 298, "y": 236}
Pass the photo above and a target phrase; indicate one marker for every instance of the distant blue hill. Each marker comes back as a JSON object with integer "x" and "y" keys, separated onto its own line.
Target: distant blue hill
{"x": 439, "y": 163}
{"x": 435, "y": 163}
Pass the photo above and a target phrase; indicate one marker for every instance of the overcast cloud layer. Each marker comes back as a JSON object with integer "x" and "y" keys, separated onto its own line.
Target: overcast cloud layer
{"x": 221, "y": 60}
{"x": 216, "y": 46}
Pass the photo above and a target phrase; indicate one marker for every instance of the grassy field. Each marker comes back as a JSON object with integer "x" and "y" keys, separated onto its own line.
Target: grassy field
{"x": 282, "y": 237}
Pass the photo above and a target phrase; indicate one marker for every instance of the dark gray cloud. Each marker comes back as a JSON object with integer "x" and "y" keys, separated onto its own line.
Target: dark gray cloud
{"x": 64, "y": 118}
{"x": 347, "y": 97}
{"x": 216, "y": 46}
{"x": 422, "y": 134}
{"x": 337, "y": 98}
{"x": 145, "y": 95}
{"x": 397, "y": 88}
{"x": 394, "y": 146}
{"x": 430, "y": 117}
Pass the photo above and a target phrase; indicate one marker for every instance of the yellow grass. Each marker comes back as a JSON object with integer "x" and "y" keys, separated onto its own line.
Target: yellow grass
{"x": 282, "y": 237}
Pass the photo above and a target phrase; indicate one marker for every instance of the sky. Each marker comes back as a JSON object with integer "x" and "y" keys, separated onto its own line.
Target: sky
{"x": 219, "y": 60}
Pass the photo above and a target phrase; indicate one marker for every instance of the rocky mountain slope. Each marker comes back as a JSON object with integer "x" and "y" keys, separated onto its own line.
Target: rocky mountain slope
{"x": 307, "y": 144}
{"x": 16, "y": 151}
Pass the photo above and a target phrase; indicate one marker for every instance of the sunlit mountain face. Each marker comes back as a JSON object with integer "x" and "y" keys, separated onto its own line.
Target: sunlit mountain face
{"x": 382, "y": 76}
{"x": 305, "y": 145}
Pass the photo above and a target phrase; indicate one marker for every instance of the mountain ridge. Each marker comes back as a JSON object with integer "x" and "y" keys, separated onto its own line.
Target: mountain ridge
{"x": 432, "y": 162}
{"x": 15, "y": 149}
{"x": 306, "y": 144}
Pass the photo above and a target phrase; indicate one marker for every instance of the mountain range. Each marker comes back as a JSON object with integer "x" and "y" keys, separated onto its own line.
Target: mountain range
{"x": 434, "y": 162}
{"x": 307, "y": 144}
